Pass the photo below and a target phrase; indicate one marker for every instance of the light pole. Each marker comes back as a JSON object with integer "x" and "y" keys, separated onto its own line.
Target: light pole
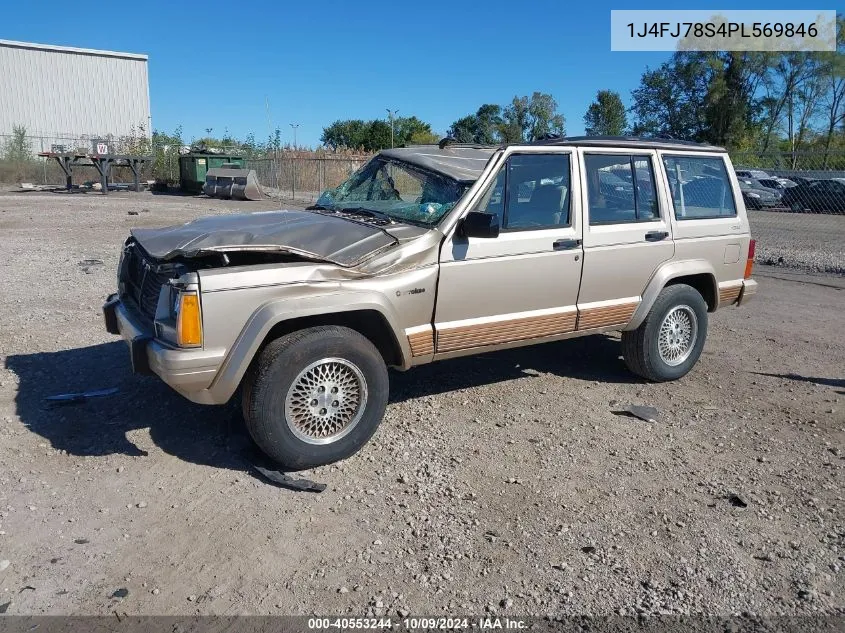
{"x": 293, "y": 163}
{"x": 294, "y": 126}
{"x": 390, "y": 115}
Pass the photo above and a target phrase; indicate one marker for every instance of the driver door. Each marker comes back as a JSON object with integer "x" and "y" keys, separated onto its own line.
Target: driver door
{"x": 521, "y": 286}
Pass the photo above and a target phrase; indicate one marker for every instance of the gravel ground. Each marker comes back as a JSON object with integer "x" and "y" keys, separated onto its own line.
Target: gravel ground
{"x": 499, "y": 484}
{"x": 800, "y": 240}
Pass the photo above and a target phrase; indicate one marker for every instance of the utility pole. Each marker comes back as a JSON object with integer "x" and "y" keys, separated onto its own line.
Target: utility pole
{"x": 293, "y": 163}
{"x": 390, "y": 115}
{"x": 294, "y": 126}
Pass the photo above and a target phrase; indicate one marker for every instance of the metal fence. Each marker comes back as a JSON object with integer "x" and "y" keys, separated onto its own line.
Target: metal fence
{"x": 793, "y": 181}
{"x": 19, "y": 161}
{"x": 304, "y": 176}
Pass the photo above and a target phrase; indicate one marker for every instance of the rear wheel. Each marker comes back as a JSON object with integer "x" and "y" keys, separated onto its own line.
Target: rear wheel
{"x": 315, "y": 396}
{"x": 669, "y": 341}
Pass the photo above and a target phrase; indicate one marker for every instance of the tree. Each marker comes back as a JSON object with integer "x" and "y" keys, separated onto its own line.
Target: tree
{"x": 411, "y": 130}
{"x": 833, "y": 74}
{"x": 543, "y": 117}
{"x": 515, "y": 122}
{"x": 350, "y": 133}
{"x": 165, "y": 149}
{"x": 377, "y": 136}
{"x": 606, "y": 115}
{"x": 670, "y": 99}
{"x": 18, "y": 147}
{"x": 464, "y": 129}
{"x": 482, "y": 127}
{"x": 374, "y": 135}
{"x": 17, "y": 150}
{"x": 487, "y": 122}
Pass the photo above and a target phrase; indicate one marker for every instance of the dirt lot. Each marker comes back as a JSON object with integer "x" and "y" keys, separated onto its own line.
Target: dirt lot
{"x": 502, "y": 483}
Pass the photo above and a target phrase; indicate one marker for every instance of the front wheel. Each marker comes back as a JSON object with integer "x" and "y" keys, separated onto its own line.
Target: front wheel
{"x": 315, "y": 396}
{"x": 669, "y": 342}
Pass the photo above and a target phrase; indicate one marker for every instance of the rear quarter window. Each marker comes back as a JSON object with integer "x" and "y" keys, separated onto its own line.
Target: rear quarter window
{"x": 701, "y": 187}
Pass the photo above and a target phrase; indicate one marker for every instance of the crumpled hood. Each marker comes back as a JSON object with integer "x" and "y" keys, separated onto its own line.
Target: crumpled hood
{"x": 311, "y": 235}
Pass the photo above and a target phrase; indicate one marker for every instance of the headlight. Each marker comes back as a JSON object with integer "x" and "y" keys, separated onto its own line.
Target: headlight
{"x": 188, "y": 319}
{"x": 753, "y": 195}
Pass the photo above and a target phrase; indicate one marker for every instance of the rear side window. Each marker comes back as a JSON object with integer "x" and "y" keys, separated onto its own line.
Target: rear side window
{"x": 700, "y": 187}
{"x": 620, "y": 188}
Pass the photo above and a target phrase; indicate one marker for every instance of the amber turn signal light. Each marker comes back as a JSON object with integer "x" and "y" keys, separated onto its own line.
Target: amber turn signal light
{"x": 188, "y": 320}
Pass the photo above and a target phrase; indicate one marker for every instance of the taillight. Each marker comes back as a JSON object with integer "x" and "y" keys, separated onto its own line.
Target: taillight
{"x": 749, "y": 264}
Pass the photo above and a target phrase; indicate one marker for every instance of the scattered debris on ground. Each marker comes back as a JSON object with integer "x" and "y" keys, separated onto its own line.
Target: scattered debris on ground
{"x": 83, "y": 396}
{"x": 648, "y": 414}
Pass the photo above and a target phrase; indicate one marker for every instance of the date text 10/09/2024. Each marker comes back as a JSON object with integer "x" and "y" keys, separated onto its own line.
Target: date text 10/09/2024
{"x": 424, "y": 624}
{"x": 722, "y": 29}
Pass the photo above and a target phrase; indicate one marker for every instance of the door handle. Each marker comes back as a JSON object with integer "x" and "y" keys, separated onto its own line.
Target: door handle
{"x": 656, "y": 236}
{"x": 563, "y": 245}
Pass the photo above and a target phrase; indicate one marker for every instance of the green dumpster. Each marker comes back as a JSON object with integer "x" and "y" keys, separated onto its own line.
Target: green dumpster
{"x": 193, "y": 167}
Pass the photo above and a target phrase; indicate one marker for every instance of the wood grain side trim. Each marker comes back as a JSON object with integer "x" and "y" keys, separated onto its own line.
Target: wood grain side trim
{"x": 727, "y": 296}
{"x": 422, "y": 342}
{"x": 605, "y": 316}
{"x": 497, "y": 332}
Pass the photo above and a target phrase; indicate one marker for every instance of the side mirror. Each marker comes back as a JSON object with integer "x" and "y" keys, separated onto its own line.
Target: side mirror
{"x": 479, "y": 224}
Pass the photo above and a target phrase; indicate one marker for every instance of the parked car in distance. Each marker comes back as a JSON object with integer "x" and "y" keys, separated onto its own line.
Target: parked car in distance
{"x": 817, "y": 196}
{"x": 752, "y": 173}
{"x": 429, "y": 253}
{"x": 758, "y": 197}
{"x": 778, "y": 184}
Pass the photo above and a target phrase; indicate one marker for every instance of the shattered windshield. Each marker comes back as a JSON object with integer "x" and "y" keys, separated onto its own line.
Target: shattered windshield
{"x": 400, "y": 191}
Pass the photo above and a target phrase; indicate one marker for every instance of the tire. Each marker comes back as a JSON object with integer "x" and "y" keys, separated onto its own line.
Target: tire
{"x": 285, "y": 380}
{"x": 796, "y": 207}
{"x": 641, "y": 347}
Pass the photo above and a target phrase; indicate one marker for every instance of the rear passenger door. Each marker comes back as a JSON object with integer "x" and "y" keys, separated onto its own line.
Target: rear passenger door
{"x": 627, "y": 234}
{"x": 708, "y": 225}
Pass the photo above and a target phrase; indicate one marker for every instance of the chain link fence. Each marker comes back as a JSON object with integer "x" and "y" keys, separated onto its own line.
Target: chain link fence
{"x": 777, "y": 181}
{"x": 793, "y": 181}
{"x": 19, "y": 160}
{"x": 304, "y": 176}
{"x": 289, "y": 173}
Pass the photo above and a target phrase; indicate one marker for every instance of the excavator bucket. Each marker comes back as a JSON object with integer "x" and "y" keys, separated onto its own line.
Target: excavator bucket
{"x": 235, "y": 183}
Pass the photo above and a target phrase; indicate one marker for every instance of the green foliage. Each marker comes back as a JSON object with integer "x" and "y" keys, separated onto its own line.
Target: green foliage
{"x": 543, "y": 117}
{"x": 165, "y": 150}
{"x": 606, "y": 115}
{"x": 777, "y": 100}
{"x": 18, "y": 153}
{"x": 523, "y": 119}
{"x": 374, "y": 135}
{"x": 483, "y": 127}
{"x": 18, "y": 148}
{"x": 670, "y": 99}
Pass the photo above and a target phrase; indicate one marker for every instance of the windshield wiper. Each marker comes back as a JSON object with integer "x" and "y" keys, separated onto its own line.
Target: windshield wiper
{"x": 317, "y": 207}
{"x": 379, "y": 215}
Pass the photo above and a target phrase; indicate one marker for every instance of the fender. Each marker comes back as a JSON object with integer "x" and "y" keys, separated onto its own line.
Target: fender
{"x": 663, "y": 275}
{"x": 279, "y": 310}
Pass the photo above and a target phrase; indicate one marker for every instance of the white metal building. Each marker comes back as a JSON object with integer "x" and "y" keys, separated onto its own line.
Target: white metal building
{"x": 61, "y": 94}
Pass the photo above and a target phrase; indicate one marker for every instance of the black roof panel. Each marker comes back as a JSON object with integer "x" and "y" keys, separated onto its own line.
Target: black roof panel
{"x": 630, "y": 141}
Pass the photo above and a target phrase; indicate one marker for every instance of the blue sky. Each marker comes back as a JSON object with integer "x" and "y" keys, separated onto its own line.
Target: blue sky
{"x": 214, "y": 64}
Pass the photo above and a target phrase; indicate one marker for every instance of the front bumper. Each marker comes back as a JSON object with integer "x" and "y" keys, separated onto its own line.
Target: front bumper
{"x": 749, "y": 289}
{"x": 188, "y": 371}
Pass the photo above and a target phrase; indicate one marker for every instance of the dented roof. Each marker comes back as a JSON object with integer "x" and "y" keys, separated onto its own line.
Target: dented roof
{"x": 464, "y": 164}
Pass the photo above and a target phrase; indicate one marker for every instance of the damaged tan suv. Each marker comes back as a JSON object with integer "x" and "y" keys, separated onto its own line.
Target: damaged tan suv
{"x": 428, "y": 253}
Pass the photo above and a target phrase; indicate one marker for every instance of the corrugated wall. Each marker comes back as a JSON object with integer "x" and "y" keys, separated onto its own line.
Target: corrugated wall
{"x": 59, "y": 93}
